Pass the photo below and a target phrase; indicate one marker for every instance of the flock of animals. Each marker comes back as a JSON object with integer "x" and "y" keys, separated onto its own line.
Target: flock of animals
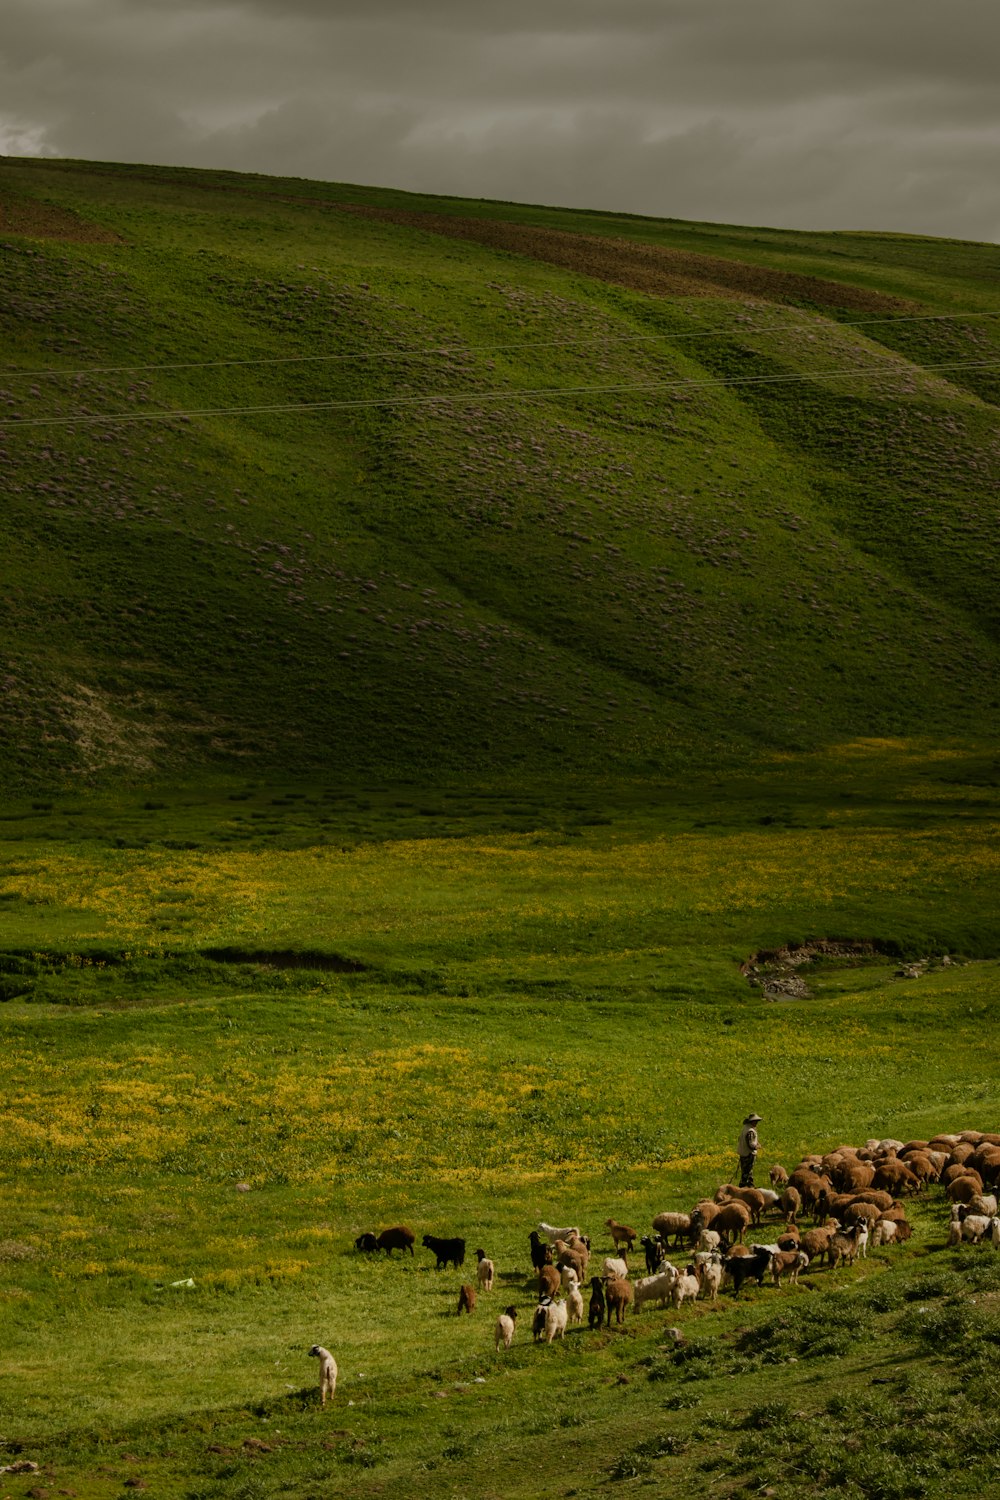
{"x": 853, "y": 1196}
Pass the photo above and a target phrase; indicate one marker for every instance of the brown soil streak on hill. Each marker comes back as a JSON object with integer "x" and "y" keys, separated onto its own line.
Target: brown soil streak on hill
{"x": 43, "y": 221}
{"x": 642, "y": 267}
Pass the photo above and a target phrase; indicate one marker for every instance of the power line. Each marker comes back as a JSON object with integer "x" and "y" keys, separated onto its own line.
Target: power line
{"x": 446, "y": 349}
{"x": 471, "y": 397}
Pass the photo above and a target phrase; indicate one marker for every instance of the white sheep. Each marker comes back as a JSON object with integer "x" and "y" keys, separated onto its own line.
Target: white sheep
{"x": 505, "y": 1328}
{"x": 485, "y": 1271}
{"x": 555, "y": 1320}
{"x": 327, "y": 1372}
{"x": 984, "y": 1203}
{"x": 559, "y": 1234}
{"x": 574, "y": 1305}
{"x": 616, "y": 1266}
{"x": 976, "y": 1227}
{"x": 654, "y": 1288}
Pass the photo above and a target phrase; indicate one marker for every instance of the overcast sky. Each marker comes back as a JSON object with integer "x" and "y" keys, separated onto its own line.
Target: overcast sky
{"x": 870, "y": 114}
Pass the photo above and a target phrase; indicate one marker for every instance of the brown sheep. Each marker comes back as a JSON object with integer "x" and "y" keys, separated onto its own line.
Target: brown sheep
{"x": 964, "y": 1189}
{"x": 986, "y": 1161}
{"x": 396, "y": 1238}
{"x": 675, "y": 1226}
{"x": 872, "y": 1195}
{"x": 778, "y": 1176}
{"x": 466, "y": 1299}
{"x": 921, "y": 1166}
{"x": 960, "y": 1153}
{"x": 752, "y": 1197}
{"x": 622, "y": 1234}
{"x": 809, "y": 1184}
{"x": 618, "y": 1294}
{"x": 854, "y": 1213}
{"x": 816, "y": 1243}
{"x": 732, "y": 1222}
{"x": 895, "y": 1177}
{"x": 854, "y": 1177}
{"x": 574, "y": 1259}
{"x": 790, "y": 1203}
{"x": 549, "y": 1282}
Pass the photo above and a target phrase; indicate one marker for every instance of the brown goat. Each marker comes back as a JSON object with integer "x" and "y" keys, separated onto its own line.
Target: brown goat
{"x": 622, "y": 1234}
{"x": 618, "y": 1295}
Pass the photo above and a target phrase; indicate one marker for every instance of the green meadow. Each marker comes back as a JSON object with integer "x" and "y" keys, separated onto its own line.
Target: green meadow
{"x": 395, "y": 794}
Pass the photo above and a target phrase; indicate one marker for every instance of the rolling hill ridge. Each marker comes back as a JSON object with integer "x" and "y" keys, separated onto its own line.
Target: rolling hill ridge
{"x": 480, "y": 486}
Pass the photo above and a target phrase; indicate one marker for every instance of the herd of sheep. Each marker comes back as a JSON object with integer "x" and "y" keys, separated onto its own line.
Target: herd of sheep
{"x": 853, "y": 1196}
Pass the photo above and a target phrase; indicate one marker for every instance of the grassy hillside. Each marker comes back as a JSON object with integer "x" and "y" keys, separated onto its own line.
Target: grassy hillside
{"x": 620, "y": 581}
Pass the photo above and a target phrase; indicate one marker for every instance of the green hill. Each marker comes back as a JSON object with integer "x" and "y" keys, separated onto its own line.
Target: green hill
{"x": 424, "y": 548}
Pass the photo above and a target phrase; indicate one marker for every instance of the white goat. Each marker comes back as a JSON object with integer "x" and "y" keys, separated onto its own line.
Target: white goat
{"x": 505, "y": 1328}
{"x": 616, "y": 1266}
{"x": 654, "y": 1288}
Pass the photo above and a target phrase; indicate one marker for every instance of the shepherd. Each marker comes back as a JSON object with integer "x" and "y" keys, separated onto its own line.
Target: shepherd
{"x": 748, "y": 1147}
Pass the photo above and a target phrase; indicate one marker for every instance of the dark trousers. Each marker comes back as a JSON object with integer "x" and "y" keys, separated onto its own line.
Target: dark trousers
{"x": 746, "y": 1170}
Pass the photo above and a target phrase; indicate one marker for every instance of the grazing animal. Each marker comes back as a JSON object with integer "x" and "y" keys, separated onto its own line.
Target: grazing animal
{"x": 485, "y": 1271}
{"x": 845, "y": 1244}
{"x": 366, "y": 1243}
{"x": 622, "y": 1234}
{"x": 709, "y": 1274}
{"x": 788, "y": 1263}
{"x": 396, "y": 1238}
{"x": 617, "y": 1294}
{"x": 327, "y": 1372}
{"x": 595, "y": 1315}
{"x": 708, "y": 1240}
{"x": 673, "y": 1226}
{"x": 654, "y": 1288}
{"x": 731, "y": 1221}
{"x": 466, "y": 1299}
{"x": 447, "y": 1252}
{"x": 568, "y": 1277}
{"x": 741, "y": 1268}
{"x": 778, "y": 1176}
{"x": 538, "y": 1320}
{"x": 616, "y": 1266}
{"x": 505, "y": 1328}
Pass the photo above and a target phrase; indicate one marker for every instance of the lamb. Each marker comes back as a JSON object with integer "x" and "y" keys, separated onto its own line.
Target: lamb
{"x": 954, "y": 1232}
{"x": 327, "y": 1372}
{"x": 778, "y": 1177}
{"x": 560, "y": 1234}
{"x": 616, "y": 1267}
{"x": 622, "y": 1234}
{"x": 885, "y": 1232}
{"x": 466, "y": 1299}
{"x": 555, "y": 1321}
{"x": 685, "y": 1285}
{"x": 446, "y": 1251}
{"x": 396, "y": 1238}
{"x": 654, "y": 1288}
{"x": 595, "y": 1316}
{"x": 366, "y": 1243}
{"x": 505, "y": 1328}
{"x": 574, "y": 1304}
{"x": 673, "y": 1226}
{"x": 485, "y": 1271}
{"x": 618, "y": 1294}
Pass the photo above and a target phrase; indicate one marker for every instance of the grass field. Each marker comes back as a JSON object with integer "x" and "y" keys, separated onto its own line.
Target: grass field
{"x": 394, "y": 795}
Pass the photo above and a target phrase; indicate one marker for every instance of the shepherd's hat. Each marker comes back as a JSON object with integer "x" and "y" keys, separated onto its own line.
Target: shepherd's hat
{"x": 753, "y": 1119}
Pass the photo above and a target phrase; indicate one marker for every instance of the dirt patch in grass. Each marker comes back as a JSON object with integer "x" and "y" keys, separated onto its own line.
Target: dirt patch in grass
{"x": 644, "y": 268}
{"x": 44, "y": 221}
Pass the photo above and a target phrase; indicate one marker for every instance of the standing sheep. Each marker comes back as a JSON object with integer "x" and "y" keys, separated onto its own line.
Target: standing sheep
{"x": 327, "y": 1372}
{"x": 485, "y": 1271}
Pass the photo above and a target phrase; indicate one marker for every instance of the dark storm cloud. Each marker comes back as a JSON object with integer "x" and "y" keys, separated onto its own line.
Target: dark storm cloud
{"x": 807, "y": 113}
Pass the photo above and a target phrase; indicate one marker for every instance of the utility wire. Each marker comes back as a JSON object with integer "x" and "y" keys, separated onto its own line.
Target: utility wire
{"x": 436, "y": 350}
{"x": 472, "y": 397}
